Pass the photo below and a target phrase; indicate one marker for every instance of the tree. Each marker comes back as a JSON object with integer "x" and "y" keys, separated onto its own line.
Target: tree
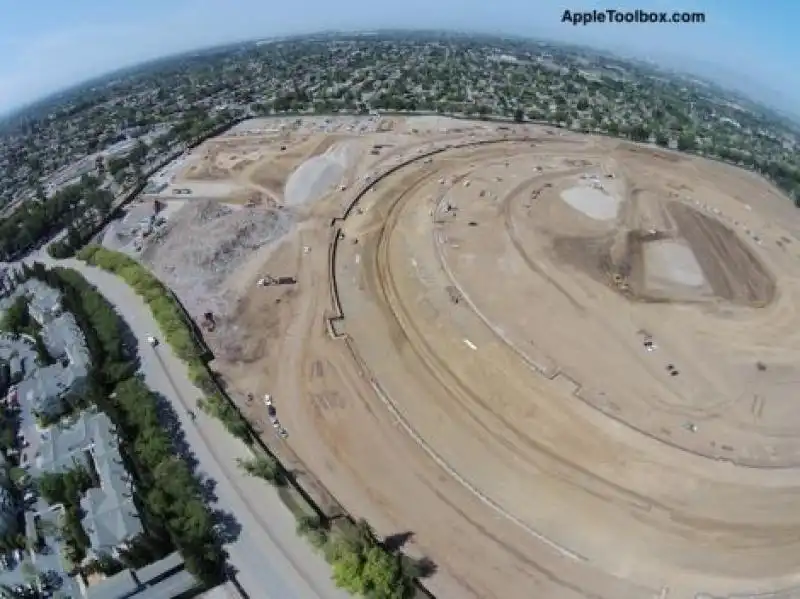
{"x": 687, "y": 142}
{"x": 519, "y": 115}
{"x": 194, "y": 520}
{"x": 8, "y": 439}
{"x": 264, "y": 467}
{"x": 65, "y": 487}
{"x": 639, "y": 133}
{"x": 383, "y": 575}
{"x": 348, "y": 568}
{"x": 306, "y": 524}
{"x": 152, "y": 447}
{"x": 17, "y": 318}
{"x": 117, "y": 165}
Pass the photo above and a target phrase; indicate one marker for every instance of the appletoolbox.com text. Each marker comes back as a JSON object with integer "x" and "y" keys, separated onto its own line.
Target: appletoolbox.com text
{"x": 611, "y": 15}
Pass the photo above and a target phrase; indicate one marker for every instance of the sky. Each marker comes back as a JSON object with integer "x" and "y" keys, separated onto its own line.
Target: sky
{"x": 46, "y": 45}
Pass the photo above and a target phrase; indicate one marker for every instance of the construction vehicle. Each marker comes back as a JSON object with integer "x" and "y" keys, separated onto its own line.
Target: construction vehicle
{"x": 209, "y": 323}
{"x": 268, "y": 281}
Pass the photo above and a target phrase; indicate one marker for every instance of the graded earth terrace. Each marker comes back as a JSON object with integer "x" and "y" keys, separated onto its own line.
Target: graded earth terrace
{"x": 564, "y": 363}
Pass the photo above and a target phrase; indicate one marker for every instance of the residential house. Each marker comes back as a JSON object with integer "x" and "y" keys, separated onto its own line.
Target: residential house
{"x": 160, "y": 580}
{"x": 110, "y": 518}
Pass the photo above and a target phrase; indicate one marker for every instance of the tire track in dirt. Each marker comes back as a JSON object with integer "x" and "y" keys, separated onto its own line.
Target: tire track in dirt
{"x": 517, "y": 243}
{"x": 449, "y": 381}
{"x": 386, "y": 282}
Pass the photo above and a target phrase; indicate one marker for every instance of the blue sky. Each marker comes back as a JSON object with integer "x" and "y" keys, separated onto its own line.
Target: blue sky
{"x": 47, "y": 44}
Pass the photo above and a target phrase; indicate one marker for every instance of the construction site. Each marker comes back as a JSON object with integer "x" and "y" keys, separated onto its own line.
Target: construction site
{"x": 558, "y": 365}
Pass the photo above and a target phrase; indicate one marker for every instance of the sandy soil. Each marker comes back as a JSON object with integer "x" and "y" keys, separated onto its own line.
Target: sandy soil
{"x": 487, "y": 387}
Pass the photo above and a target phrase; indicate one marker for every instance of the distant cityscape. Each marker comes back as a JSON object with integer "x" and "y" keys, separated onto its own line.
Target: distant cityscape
{"x": 110, "y": 133}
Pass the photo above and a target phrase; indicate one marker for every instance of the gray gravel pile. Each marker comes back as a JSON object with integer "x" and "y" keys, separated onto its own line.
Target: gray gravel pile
{"x": 205, "y": 243}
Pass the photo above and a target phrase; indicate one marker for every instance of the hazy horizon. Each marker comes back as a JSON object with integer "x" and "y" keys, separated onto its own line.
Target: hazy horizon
{"x": 738, "y": 47}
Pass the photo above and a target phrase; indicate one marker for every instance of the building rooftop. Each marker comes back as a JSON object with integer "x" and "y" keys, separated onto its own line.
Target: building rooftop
{"x": 159, "y": 580}
{"x": 120, "y": 586}
{"x": 44, "y": 387}
{"x": 161, "y": 567}
{"x": 175, "y": 585}
{"x": 17, "y": 352}
{"x": 44, "y": 301}
{"x": 64, "y": 338}
{"x": 110, "y": 516}
{"x": 61, "y": 445}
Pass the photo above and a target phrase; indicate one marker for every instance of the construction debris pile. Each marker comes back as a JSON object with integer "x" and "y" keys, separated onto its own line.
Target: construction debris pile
{"x": 205, "y": 243}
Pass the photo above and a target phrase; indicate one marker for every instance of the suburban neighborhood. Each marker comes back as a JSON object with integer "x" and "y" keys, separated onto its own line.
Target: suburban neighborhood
{"x": 53, "y": 443}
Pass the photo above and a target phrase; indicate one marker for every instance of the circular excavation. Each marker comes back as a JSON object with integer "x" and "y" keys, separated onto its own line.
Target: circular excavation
{"x": 598, "y": 343}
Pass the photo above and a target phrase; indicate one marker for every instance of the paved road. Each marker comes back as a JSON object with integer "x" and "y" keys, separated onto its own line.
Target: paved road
{"x": 272, "y": 561}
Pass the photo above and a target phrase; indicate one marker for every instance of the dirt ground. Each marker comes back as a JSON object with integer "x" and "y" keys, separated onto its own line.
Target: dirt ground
{"x": 488, "y": 388}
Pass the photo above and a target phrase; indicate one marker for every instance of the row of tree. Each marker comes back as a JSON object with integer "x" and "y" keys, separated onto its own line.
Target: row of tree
{"x": 40, "y": 218}
{"x": 360, "y": 562}
{"x": 170, "y": 495}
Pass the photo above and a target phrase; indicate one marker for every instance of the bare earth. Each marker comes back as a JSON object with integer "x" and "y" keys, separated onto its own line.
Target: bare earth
{"x": 487, "y": 386}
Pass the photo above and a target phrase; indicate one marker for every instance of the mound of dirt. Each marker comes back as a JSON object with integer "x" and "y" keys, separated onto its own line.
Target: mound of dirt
{"x": 206, "y": 243}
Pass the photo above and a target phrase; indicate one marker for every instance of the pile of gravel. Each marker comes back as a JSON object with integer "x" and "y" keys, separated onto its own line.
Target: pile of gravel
{"x": 206, "y": 242}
